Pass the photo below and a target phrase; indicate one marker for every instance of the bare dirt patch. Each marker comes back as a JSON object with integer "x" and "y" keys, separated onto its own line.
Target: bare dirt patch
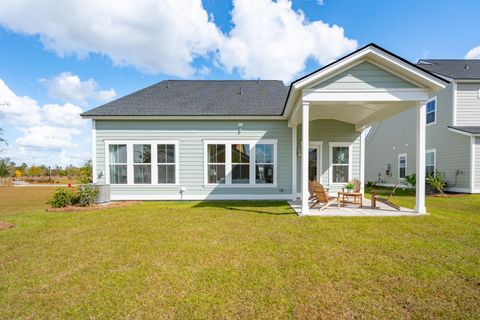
{"x": 95, "y": 206}
{"x": 5, "y": 225}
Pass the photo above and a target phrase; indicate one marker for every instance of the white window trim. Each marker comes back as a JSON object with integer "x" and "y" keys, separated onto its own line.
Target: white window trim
{"x": 436, "y": 111}
{"x": 406, "y": 165}
{"x": 319, "y": 146}
{"x": 331, "y": 145}
{"x": 434, "y": 151}
{"x": 228, "y": 163}
{"x": 154, "y": 162}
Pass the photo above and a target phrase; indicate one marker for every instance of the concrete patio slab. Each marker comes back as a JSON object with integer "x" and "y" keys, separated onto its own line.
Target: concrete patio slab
{"x": 355, "y": 211}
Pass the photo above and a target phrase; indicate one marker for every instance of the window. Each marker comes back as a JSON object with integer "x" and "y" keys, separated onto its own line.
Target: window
{"x": 166, "y": 163}
{"x": 216, "y": 163}
{"x": 142, "y": 163}
{"x": 118, "y": 163}
{"x": 402, "y": 165}
{"x": 264, "y": 166}
{"x": 431, "y": 111}
{"x": 340, "y": 162}
{"x": 430, "y": 159}
{"x": 240, "y": 162}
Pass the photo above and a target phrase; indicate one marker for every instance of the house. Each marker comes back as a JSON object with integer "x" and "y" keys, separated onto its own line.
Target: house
{"x": 452, "y": 132}
{"x": 200, "y": 140}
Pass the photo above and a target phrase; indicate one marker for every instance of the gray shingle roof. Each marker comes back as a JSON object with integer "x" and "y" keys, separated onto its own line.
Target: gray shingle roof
{"x": 200, "y": 98}
{"x": 455, "y": 69}
{"x": 467, "y": 129}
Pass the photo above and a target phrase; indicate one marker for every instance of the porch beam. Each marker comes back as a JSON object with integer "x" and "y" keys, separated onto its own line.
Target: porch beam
{"x": 421, "y": 124}
{"x": 372, "y": 95}
{"x": 305, "y": 144}
{"x": 362, "y": 162}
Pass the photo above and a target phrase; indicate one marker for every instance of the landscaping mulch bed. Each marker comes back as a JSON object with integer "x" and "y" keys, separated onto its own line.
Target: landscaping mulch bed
{"x": 107, "y": 205}
{"x": 5, "y": 225}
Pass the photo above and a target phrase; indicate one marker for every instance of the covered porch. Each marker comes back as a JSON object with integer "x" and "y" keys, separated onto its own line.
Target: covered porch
{"x": 366, "y": 87}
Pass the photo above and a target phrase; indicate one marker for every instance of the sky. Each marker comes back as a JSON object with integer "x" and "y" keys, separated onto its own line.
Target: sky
{"x": 60, "y": 58}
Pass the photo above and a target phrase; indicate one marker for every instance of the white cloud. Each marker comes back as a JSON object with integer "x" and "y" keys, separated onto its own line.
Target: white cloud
{"x": 320, "y": 2}
{"x": 47, "y": 132}
{"x": 272, "y": 40}
{"x": 48, "y": 137}
{"x": 68, "y": 87}
{"x": 269, "y": 39}
{"x": 154, "y": 36}
{"x": 473, "y": 54}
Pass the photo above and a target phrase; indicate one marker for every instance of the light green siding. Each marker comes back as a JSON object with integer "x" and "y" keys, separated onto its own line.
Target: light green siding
{"x": 468, "y": 104}
{"x": 398, "y": 135}
{"x": 328, "y": 131}
{"x": 191, "y": 135}
{"x": 364, "y": 76}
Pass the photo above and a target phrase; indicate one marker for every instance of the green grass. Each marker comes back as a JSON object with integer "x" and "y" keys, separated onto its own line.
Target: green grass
{"x": 252, "y": 260}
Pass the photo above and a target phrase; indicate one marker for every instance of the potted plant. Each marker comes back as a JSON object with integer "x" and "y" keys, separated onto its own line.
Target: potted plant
{"x": 349, "y": 187}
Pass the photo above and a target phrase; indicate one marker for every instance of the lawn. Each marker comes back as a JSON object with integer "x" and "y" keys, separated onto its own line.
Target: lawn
{"x": 257, "y": 260}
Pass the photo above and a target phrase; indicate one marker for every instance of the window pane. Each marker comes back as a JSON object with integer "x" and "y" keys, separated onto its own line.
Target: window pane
{"x": 340, "y": 155}
{"x": 118, "y": 174}
{"x": 240, "y": 153}
{"x": 264, "y": 173}
{"x": 264, "y": 153}
{"x": 166, "y": 174}
{"x": 166, "y": 153}
{"x": 430, "y": 159}
{"x": 142, "y": 174}
{"x": 431, "y": 106}
{"x": 216, "y": 153}
{"x": 429, "y": 170}
{"x": 402, "y": 172}
{"x": 216, "y": 173}
{"x": 141, "y": 153}
{"x": 118, "y": 153}
{"x": 430, "y": 117}
{"x": 340, "y": 174}
{"x": 241, "y": 173}
{"x": 312, "y": 164}
{"x": 170, "y": 153}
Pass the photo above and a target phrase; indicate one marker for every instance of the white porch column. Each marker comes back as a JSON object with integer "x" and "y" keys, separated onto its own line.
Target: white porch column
{"x": 362, "y": 161}
{"x": 294, "y": 163}
{"x": 421, "y": 123}
{"x": 305, "y": 144}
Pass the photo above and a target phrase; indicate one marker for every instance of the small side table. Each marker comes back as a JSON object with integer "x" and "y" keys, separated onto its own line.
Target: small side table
{"x": 357, "y": 198}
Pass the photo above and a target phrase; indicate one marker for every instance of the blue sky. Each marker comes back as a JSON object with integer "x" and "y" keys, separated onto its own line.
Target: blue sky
{"x": 58, "y": 59}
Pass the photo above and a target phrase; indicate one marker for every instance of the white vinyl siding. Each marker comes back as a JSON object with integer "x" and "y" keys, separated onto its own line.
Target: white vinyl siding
{"x": 477, "y": 163}
{"x": 468, "y": 104}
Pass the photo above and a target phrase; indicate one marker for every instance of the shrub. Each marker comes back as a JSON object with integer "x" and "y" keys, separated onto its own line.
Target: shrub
{"x": 87, "y": 195}
{"x": 437, "y": 181}
{"x": 62, "y": 198}
{"x": 411, "y": 180}
{"x": 84, "y": 197}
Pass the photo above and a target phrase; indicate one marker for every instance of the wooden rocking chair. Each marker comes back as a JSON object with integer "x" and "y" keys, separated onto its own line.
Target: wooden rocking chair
{"x": 386, "y": 201}
{"x": 357, "y": 185}
{"x": 321, "y": 196}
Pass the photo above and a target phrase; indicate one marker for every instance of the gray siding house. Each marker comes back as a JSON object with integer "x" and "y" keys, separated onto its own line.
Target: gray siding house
{"x": 452, "y": 132}
{"x": 198, "y": 140}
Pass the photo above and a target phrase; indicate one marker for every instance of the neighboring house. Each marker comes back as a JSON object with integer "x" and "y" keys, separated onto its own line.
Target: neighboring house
{"x": 260, "y": 140}
{"x": 452, "y": 132}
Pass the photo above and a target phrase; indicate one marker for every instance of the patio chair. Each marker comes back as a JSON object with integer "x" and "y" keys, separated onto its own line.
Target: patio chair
{"x": 321, "y": 196}
{"x": 357, "y": 185}
{"x": 310, "y": 190}
{"x": 386, "y": 201}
